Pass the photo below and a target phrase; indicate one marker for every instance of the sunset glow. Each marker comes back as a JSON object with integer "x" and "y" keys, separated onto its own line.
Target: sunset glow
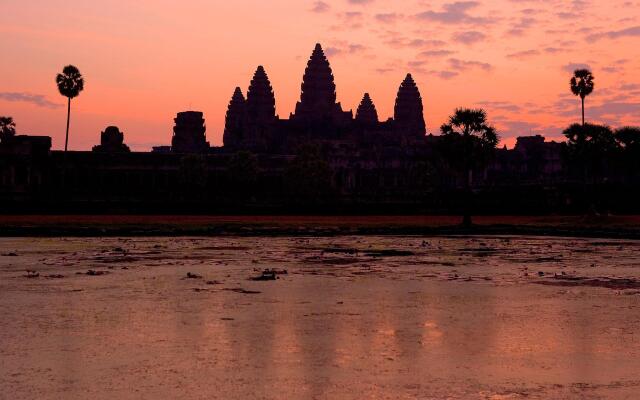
{"x": 144, "y": 61}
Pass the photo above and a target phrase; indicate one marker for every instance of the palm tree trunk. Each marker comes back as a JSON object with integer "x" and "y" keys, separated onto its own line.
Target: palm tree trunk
{"x": 66, "y": 139}
{"x": 466, "y": 218}
{"x": 582, "y": 111}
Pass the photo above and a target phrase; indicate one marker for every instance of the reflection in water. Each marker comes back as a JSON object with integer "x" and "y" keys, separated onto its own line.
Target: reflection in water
{"x": 462, "y": 318}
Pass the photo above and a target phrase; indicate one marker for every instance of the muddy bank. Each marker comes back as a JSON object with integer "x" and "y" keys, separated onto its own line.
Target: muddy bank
{"x": 619, "y": 227}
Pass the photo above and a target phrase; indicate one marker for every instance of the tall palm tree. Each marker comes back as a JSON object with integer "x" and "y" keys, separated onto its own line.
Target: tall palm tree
{"x": 582, "y": 85}
{"x": 468, "y": 131}
{"x": 70, "y": 84}
{"x": 7, "y": 128}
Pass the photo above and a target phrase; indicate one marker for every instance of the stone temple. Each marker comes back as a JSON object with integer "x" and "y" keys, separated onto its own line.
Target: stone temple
{"x": 320, "y": 153}
{"x": 252, "y": 124}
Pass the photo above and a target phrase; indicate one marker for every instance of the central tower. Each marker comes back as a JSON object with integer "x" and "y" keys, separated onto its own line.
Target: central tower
{"x": 318, "y": 98}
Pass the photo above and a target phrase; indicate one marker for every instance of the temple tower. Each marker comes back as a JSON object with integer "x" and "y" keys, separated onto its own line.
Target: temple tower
{"x": 111, "y": 141}
{"x": 408, "y": 111}
{"x": 234, "y": 120}
{"x": 189, "y": 133}
{"x": 367, "y": 113}
{"x": 318, "y": 98}
{"x": 261, "y": 102}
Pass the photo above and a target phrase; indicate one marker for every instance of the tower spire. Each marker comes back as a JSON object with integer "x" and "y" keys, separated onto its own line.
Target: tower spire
{"x": 318, "y": 97}
{"x": 234, "y": 119}
{"x": 408, "y": 110}
{"x": 261, "y": 101}
{"x": 367, "y": 112}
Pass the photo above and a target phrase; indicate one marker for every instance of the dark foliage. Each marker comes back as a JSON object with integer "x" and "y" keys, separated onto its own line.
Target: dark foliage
{"x": 590, "y": 149}
{"x": 242, "y": 171}
{"x": 70, "y": 82}
{"x": 309, "y": 176}
{"x": 7, "y": 128}
{"x": 469, "y": 142}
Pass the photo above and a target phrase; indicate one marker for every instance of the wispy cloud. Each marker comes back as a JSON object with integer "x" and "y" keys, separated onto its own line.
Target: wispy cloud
{"x": 320, "y": 7}
{"x": 469, "y": 37}
{"x": 523, "y": 54}
{"x": 454, "y": 13}
{"x": 628, "y": 32}
{"x": 436, "y": 53}
{"x": 36, "y": 99}
{"x": 388, "y": 18}
{"x": 345, "y": 49}
{"x": 574, "y": 66}
{"x": 462, "y": 65}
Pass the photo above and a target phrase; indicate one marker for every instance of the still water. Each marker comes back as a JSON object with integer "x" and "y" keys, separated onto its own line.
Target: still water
{"x": 352, "y": 318}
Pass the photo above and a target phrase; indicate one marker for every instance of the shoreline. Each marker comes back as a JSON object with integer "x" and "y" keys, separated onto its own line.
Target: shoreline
{"x": 615, "y": 227}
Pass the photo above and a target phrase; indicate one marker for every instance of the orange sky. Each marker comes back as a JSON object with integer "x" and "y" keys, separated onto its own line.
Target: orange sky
{"x": 145, "y": 60}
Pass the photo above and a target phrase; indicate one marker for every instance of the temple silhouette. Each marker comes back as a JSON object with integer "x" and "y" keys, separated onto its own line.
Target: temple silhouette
{"x": 251, "y": 123}
{"x": 322, "y": 158}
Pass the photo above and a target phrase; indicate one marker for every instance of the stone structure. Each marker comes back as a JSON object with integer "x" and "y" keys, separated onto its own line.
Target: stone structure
{"x": 361, "y": 162}
{"x": 408, "y": 112}
{"x": 189, "y": 133}
{"x": 253, "y": 124}
{"x": 111, "y": 141}
{"x": 235, "y": 120}
{"x": 367, "y": 113}
{"x": 318, "y": 98}
{"x": 260, "y": 111}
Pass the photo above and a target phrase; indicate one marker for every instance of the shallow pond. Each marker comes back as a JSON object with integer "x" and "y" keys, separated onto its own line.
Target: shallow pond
{"x": 352, "y": 318}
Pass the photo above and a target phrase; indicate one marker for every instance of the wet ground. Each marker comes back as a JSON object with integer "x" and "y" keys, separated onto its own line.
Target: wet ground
{"x": 348, "y": 317}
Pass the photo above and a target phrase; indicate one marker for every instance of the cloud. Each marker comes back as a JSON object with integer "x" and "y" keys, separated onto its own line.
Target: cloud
{"x": 552, "y": 50}
{"x": 628, "y": 32}
{"x": 501, "y": 105}
{"x": 388, "y": 18}
{"x": 571, "y": 67}
{"x": 446, "y": 74}
{"x": 435, "y": 43}
{"x": 344, "y": 49}
{"x": 36, "y": 99}
{"x": 353, "y": 15}
{"x": 523, "y": 54}
{"x": 436, "y": 53}
{"x": 568, "y": 15}
{"x": 320, "y": 7}
{"x": 454, "y": 13}
{"x": 616, "y": 109}
{"x": 469, "y": 37}
{"x": 523, "y": 25}
{"x": 510, "y": 128}
{"x": 463, "y": 65}
{"x": 384, "y": 70}
{"x": 397, "y": 40}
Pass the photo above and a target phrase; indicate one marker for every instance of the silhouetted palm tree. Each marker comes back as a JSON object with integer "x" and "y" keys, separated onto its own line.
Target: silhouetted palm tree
{"x": 469, "y": 132}
{"x": 7, "y": 128}
{"x": 582, "y": 85}
{"x": 70, "y": 84}
{"x": 590, "y": 151}
{"x": 628, "y": 138}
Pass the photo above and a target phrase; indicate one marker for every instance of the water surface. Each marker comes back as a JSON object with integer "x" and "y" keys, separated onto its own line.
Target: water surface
{"x": 353, "y": 318}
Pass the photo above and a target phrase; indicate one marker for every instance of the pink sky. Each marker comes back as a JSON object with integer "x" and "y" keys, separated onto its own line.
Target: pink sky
{"x": 145, "y": 60}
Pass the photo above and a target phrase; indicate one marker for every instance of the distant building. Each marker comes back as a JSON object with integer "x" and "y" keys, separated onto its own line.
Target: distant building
{"x": 189, "y": 133}
{"x": 111, "y": 141}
